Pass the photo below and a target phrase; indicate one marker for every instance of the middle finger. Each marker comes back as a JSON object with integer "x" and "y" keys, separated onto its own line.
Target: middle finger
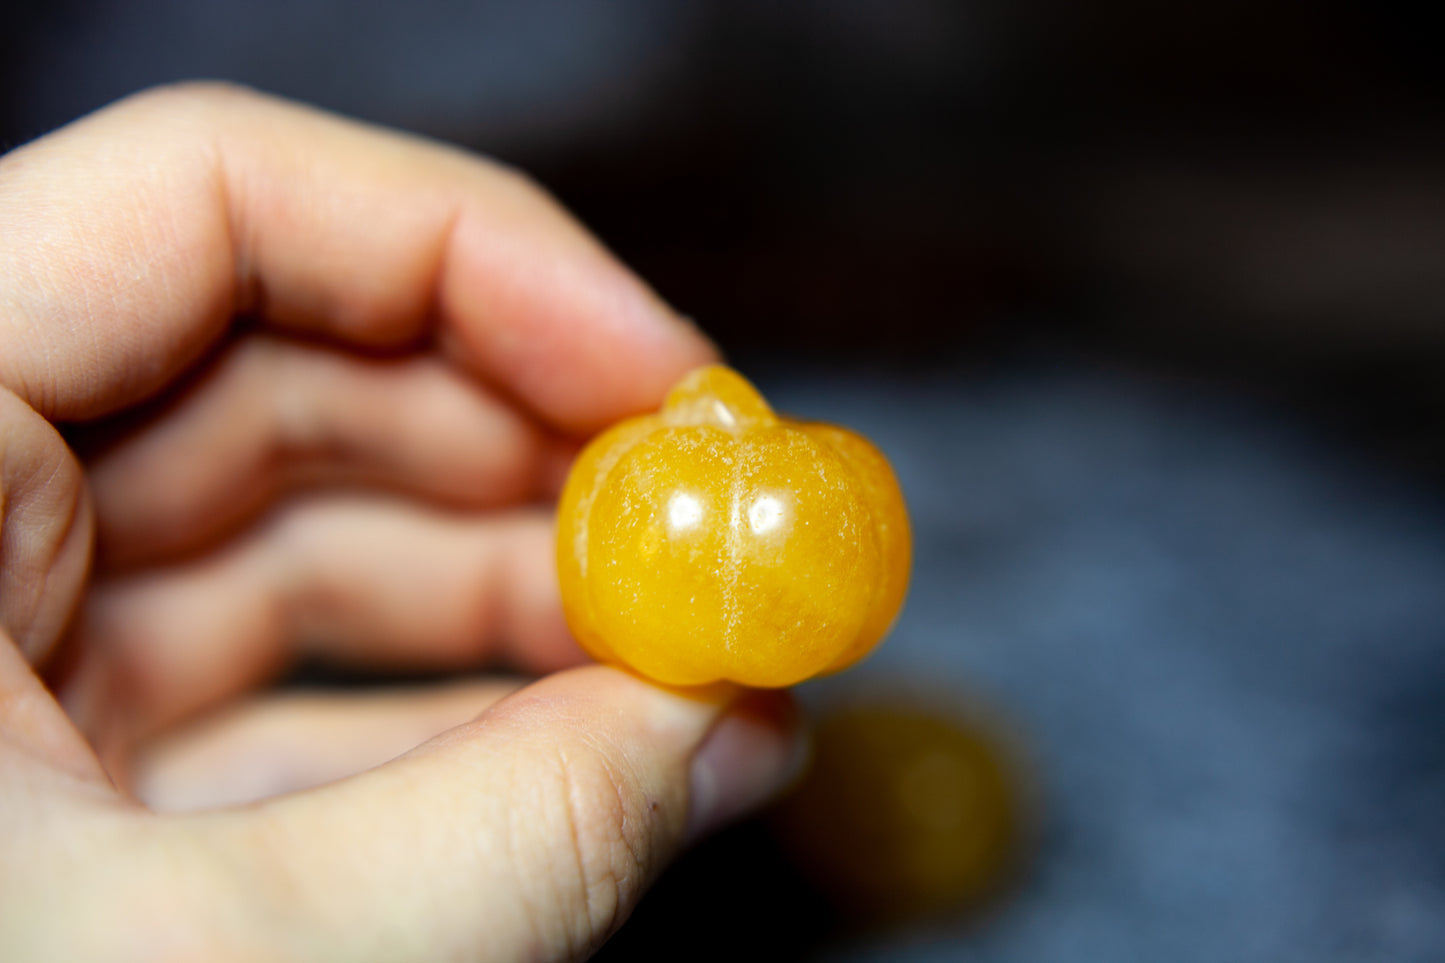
{"x": 272, "y": 414}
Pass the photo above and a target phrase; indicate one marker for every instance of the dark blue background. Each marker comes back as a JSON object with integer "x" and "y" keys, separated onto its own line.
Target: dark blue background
{"x": 1144, "y": 301}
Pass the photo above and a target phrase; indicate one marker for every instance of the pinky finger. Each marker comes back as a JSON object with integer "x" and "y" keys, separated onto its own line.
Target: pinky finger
{"x": 293, "y": 741}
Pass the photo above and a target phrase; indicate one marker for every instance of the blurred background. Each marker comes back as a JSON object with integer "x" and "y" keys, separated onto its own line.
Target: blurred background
{"x": 1147, "y": 304}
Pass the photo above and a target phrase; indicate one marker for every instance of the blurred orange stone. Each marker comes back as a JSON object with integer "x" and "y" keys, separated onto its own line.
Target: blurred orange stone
{"x": 905, "y": 812}
{"x": 715, "y": 540}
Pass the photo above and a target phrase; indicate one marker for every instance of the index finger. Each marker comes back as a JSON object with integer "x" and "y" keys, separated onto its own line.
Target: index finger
{"x": 131, "y": 239}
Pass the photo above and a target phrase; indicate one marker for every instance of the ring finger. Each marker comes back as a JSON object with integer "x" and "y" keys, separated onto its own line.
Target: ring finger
{"x": 371, "y": 581}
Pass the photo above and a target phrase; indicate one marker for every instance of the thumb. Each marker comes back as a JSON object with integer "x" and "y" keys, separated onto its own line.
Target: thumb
{"x": 529, "y": 833}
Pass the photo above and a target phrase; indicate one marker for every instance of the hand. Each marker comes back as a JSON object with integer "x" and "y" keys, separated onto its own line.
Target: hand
{"x": 344, "y": 473}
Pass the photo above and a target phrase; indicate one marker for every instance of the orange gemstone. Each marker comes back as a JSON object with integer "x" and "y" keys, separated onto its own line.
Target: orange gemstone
{"x": 715, "y": 540}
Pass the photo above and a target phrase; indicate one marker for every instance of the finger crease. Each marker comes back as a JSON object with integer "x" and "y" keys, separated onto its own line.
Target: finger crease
{"x": 247, "y": 293}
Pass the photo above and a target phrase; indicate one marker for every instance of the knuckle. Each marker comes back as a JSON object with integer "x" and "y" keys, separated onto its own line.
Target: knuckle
{"x": 525, "y": 188}
{"x": 203, "y": 94}
{"x": 47, "y": 518}
{"x": 518, "y": 179}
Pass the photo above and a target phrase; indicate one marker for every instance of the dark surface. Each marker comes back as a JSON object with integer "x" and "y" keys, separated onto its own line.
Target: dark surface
{"x": 1217, "y": 632}
{"x": 888, "y": 177}
{"x": 1212, "y": 606}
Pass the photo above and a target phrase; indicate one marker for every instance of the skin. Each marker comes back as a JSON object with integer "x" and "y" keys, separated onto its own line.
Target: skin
{"x": 349, "y": 472}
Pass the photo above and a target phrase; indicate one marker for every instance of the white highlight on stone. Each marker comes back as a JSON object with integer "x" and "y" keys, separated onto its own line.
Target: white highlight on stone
{"x": 765, "y": 514}
{"x": 683, "y": 511}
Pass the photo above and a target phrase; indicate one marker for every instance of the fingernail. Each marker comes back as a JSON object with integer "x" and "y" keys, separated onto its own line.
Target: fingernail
{"x": 751, "y": 754}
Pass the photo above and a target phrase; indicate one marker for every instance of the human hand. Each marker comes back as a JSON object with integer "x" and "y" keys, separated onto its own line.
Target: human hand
{"x": 343, "y": 473}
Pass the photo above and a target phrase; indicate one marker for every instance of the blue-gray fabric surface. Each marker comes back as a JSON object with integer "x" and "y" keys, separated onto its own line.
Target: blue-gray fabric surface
{"x": 1220, "y": 635}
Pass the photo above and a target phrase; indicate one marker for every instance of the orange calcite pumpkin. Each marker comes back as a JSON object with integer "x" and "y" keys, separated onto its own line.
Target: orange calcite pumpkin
{"x": 715, "y": 540}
